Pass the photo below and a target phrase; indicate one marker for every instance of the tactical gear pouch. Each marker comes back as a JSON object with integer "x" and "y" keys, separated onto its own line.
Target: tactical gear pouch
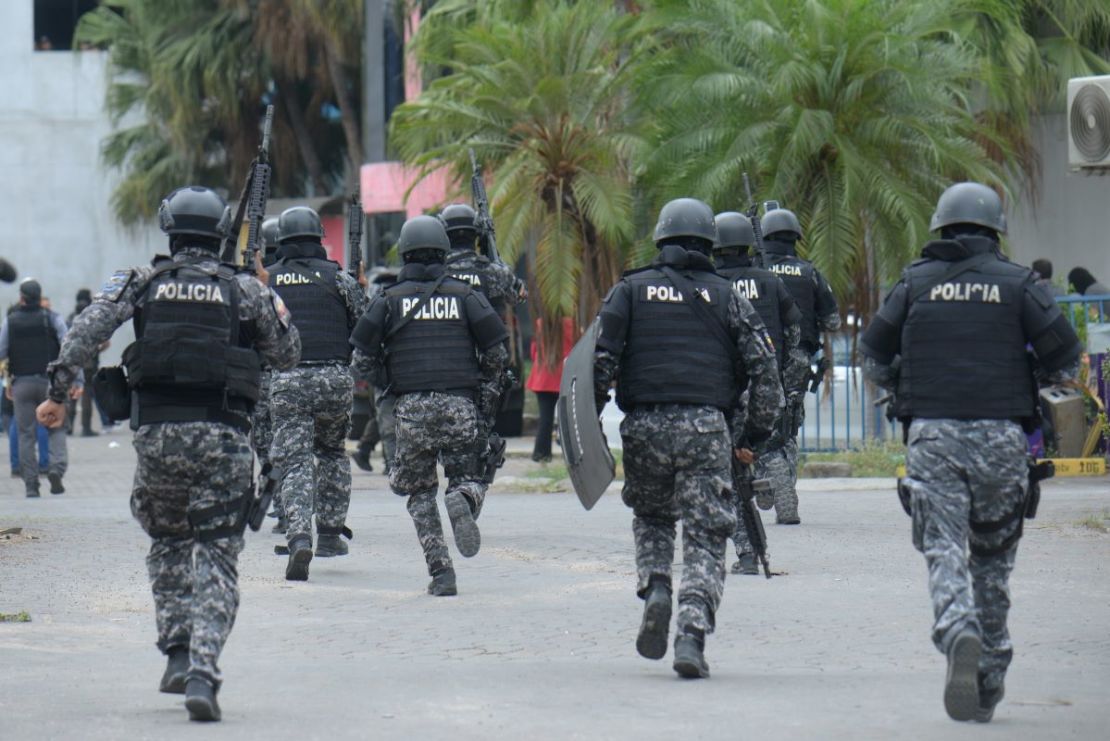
{"x": 112, "y": 393}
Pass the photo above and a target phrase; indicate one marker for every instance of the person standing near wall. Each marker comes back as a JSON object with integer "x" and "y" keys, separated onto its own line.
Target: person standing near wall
{"x": 30, "y": 338}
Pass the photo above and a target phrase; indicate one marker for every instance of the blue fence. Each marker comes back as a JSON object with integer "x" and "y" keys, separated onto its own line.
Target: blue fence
{"x": 843, "y": 413}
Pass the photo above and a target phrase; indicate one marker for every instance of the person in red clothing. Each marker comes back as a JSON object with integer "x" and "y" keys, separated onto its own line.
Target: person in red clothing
{"x": 543, "y": 380}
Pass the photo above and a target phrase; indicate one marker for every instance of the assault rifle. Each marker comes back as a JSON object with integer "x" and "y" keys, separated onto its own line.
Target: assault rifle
{"x": 252, "y": 201}
{"x": 487, "y": 239}
{"x": 746, "y": 488}
{"x": 753, "y": 216}
{"x": 354, "y": 232}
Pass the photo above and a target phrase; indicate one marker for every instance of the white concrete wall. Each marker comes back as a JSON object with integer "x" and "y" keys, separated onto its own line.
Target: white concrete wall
{"x": 55, "y": 194}
{"x": 1069, "y": 222}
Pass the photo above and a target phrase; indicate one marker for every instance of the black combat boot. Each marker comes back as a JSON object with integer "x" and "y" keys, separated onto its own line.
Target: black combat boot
{"x": 651, "y": 643}
{"x": 200, "y": 700}
{"x": 443, "y": 583}
{"x": 467, "y": 536}
{"x": 56, "y": 483}
{"x": 177, "y": 665}
{"x": 328, "y": 542}
{"x": 689, "y": 654}
{"x": 300, "y": 553}
{"x": 361, "y": 457}
{"x": 988, "y": 700}
{"x": 746, "y": 565}
{"x": 961, "y": 686}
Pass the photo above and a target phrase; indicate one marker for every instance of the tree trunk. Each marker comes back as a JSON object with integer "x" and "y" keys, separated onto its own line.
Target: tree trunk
{"x": 348, "y": 115}
{"x": 293, "y": 112}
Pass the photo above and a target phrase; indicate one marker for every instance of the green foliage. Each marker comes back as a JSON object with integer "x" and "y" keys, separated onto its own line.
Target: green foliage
{"x": 15, "y": 617}
{"x": 874, "y": 459}
{"x": 540, "y": 91}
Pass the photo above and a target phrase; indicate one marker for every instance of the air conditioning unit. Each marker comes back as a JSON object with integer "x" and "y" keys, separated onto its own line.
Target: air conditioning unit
{"x": 1089, "y": 123}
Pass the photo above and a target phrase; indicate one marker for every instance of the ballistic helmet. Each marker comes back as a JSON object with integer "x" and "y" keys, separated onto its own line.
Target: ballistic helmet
{"x": 299, "y": 221}
{"x": 969, "y": 203}
{"x": 458, "y": 216}
{"x": 422, "y": 233}
{"x": 685, "y": 217}
{"x": 195, "y": 210}
{"x": 734, "y": 230}
{"x": 779, "y": 220}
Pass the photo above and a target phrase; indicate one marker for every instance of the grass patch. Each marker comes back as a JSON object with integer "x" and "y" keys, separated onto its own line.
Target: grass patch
{"x": 1098, "y": 522}
{"x": 15, "y": 617}
{"x": 879, "y": 459}
{"x": 552, "y": 471}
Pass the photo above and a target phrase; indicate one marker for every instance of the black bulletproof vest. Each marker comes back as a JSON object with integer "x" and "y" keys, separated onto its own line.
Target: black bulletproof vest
{"x": 470, "y": 267}
{"x": 963, "y": 346}
{"x": 798, "y": 275}
{"x": 189, "y": 353}
{"x": 433, "y": 351}
{"x": 761, "y": 288}
{"x": 32, "y": 341}
{"x": 307, "y": 286}
{"x": 670, "y": 356}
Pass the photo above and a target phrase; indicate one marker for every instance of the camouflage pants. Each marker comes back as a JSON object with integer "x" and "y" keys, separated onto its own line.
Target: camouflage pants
{"x": 433, "y": 426}
{"x": 311, "y": 415}
{"x": 262, "y": 431}
{"x": 677, "y": 466}
{"x": 183, "y": 468}
{"x": 962, "y": 473}
{"x": 780, "y": 467}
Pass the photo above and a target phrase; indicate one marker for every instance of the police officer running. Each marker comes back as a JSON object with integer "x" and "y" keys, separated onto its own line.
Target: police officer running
{"x": 311, "y": 404}
{"x": 951, "y": 341}
{"x": 262, "y": 430}
{"x": 30, "y": 338}
{"x": 815, "y": 300}
{"x": 776, "y": 307}
{"x": 201, "y": 328}
{"x": 443, "y": 348}
{"x": 682, "y": 345}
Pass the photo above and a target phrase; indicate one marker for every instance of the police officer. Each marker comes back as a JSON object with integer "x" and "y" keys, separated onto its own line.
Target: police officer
{"x": 776, "y": 307}
{"x": 311, "y": 404}
{"x": 494, "y": 280}
{"x": 30, "y": 337}
{"x": 201, "y": 328}
{"x": 443, "y": 348}
{"x": 815, "y": 300}
{"x": 262, "y": 430}
{"x": 680, "y": 368}
{"x": 951, "y": 341}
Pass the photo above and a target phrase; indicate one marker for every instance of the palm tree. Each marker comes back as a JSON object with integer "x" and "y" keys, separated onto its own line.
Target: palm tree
{"x": 541, "y": 98}
{"x": 853, "y": 113}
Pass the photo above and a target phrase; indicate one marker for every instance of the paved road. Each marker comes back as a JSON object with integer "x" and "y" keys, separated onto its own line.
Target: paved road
{"x": 539, "y": 644}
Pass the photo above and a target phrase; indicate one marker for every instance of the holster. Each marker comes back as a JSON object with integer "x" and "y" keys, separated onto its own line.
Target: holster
{"x": 112, "y": 392}
{"x": 494, "y": 458}
{"x": 268, "y": 480}
{"x": 905, "y": 496}
{"x": 1038, "y": 472}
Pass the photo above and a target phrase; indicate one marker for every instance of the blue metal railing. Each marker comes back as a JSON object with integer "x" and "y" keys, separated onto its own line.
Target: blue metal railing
{"x": 842, "y": 414}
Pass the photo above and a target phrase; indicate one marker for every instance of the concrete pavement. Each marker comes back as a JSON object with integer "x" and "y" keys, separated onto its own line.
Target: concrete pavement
{"x": 540, "y": 641}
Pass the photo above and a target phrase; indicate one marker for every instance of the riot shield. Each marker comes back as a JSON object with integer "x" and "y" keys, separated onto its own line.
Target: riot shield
{"x": 585, "y": 449}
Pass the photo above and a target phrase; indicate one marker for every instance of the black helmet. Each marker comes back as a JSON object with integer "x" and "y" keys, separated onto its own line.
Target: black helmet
{"x": 270, "y": 233}
{"x": 969, "y": 203}
{"x": 780, "y": 220}
{"x": 299, "y": 221}
{"x": 458, "y": 216}
{"x": 734, "y": 230}
{"x": 30, "y": 290}
{"x": 686, "y": 217}
{"x": 422, "y": 233}
{"x": 195, "y": 210}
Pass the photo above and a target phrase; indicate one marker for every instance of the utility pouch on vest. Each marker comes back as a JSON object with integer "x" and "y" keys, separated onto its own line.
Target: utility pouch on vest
{"x": 112, "y": 392}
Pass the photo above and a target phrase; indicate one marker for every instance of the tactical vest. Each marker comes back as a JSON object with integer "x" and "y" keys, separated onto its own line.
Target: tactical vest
{"x": 32, "y": 341}
{"x": 433, "y": 351}
{"x": 308, "y": 288}
{"x": 190, "y": 362}
{"x": 761, "y": 288}
{"x": 472, "y": 268}
{"x": 963, "y": 345}
{"x": 798, "y": 275}
{"x": 669, "y": 355}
